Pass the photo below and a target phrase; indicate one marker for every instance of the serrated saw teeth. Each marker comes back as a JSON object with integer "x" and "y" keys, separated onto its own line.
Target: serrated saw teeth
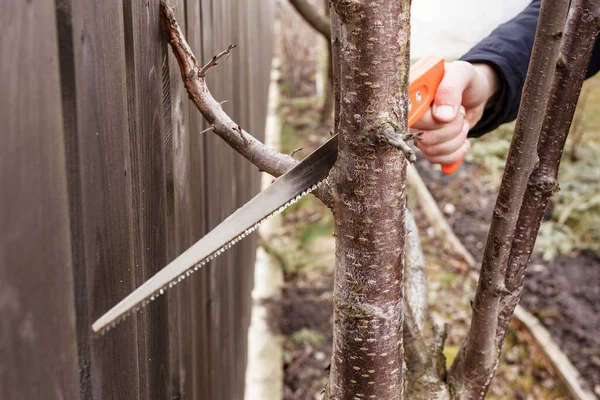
{"x": 144, "y": 295}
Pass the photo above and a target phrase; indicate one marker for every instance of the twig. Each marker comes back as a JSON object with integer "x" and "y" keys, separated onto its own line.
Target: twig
{"x": 296, "y": 151}
{"x": 215, "y": 60}
{"x": 209, "y": 129}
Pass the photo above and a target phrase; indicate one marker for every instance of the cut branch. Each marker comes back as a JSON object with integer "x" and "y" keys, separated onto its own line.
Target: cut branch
{"x": 265, "y": 158}
{"x": 475, "y": 364}
{"x": 262, "y": 156}
{"x": 314, "y": 18}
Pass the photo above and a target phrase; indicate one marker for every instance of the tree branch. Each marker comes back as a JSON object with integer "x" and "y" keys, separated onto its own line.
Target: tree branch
{"x": 474, "y": 366}
{"x": 265, "y": 158}
{"x": 575, "y": 52}
{"x": 415, "y": 278}
{"x": 314, "y": 18}
{"x": 194, "y": 78}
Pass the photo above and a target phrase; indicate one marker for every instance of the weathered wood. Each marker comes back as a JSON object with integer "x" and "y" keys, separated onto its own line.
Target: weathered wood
{"x": 119, "y": 182}
{"x": 36, "y": 276}
{"x": 143, "y": 61}
{"x": 197, "y": 376}
{"x": 99, "y": 160}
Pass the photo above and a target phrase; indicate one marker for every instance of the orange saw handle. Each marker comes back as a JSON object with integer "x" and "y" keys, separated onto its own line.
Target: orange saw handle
{"x": 425, "y": 77}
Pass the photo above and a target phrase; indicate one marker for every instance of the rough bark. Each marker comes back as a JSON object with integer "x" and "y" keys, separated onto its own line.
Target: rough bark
{"x": 368, "y": 184}
{"x": 474, "y": 367}
{"x": 580, "y": 34}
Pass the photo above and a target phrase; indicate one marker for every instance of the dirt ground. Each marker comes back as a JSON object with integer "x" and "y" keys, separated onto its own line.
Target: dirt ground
{"x": 563, "y": 281}
{"x": 564, "y": 292}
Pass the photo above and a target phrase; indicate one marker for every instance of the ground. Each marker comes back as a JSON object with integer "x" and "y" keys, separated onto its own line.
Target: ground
{"x": 562, "y": 284}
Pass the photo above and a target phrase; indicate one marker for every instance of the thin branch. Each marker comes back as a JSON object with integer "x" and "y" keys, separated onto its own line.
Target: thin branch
{"x": 209, "y": 129}
{"x": 314, "y": 18}
{"x": 296, "y": 151}
{"x": 473, "y": 368}
{"x": 215, "y": 60}
{"x": 262, "y": 156}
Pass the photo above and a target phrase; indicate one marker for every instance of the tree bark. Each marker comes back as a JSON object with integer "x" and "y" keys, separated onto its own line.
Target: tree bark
{"x": 368, "y": 185}
{"x": 579, "y": 38}
{"x": 474, "y": 367}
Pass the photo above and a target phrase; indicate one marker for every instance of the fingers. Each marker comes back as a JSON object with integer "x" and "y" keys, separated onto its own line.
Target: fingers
{"x": 447, "y": 147}
{"x": 453, "y": 157}
{"x": 448, "y": 97}
{"x": 443, "y": 132}
{"x": 458, "y": 78}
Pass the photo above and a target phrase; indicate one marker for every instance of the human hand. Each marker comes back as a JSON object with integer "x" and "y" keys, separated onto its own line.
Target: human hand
{"x": 458, "y": 105}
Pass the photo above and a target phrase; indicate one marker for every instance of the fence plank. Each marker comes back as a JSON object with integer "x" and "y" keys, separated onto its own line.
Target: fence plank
{"x": 179, "y": 209}
{"x": 36, "y": 298}
{"x": 143, "y": 60}
{"x": 99, "y": 155}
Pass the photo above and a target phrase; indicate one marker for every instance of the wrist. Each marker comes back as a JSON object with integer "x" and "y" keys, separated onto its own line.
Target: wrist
{"x": 489, "y": 75}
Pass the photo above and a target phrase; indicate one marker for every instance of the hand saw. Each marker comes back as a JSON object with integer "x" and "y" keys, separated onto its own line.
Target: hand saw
{"x": 305, "y": 177}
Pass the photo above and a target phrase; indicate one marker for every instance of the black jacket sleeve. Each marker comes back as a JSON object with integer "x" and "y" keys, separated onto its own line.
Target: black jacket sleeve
{"x": 508, "y": 50}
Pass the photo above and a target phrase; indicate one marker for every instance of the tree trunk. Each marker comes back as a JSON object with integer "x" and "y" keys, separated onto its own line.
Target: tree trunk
{"x": 556, "y": 71}
{"x": 579, "y": 38}
{"x": 368, "y": 184}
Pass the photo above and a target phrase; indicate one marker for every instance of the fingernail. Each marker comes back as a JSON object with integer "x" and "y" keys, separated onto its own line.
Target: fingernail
{"x": 466, "y": 127}
{"x": 444, "y": 112}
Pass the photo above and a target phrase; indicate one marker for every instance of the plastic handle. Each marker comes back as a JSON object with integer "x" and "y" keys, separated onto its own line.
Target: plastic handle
{"x": 425, "y": 77}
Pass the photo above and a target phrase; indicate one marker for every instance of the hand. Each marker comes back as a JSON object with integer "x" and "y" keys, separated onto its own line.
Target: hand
{"x": 458, "y": 105}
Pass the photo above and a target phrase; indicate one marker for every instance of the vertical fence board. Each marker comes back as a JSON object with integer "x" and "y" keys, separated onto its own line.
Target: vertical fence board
{"x": 36, "y": 298}
{"x": 196, "y": 379}
{"x": 179, "y": 208}
{"x": 142, "y": 44}
{"x": 114, "y": 180}
{"x": 101, "y": 165}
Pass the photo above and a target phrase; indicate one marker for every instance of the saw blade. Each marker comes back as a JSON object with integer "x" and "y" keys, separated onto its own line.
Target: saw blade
{"x": 304, "y": 178}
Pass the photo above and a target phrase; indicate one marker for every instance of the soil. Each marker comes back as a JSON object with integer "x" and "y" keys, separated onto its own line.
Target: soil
{"x": 308, "y": 310}
{"x": 563, "y": 293}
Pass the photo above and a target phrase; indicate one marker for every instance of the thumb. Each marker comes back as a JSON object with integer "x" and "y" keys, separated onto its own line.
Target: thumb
{"x": 448, "y": 97}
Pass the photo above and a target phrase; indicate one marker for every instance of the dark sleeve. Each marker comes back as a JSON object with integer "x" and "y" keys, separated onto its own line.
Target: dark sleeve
{"x": 508, "y": 50}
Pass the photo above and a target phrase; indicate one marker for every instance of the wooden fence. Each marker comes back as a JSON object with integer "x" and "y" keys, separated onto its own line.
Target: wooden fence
{"x": 104, "y": 178}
